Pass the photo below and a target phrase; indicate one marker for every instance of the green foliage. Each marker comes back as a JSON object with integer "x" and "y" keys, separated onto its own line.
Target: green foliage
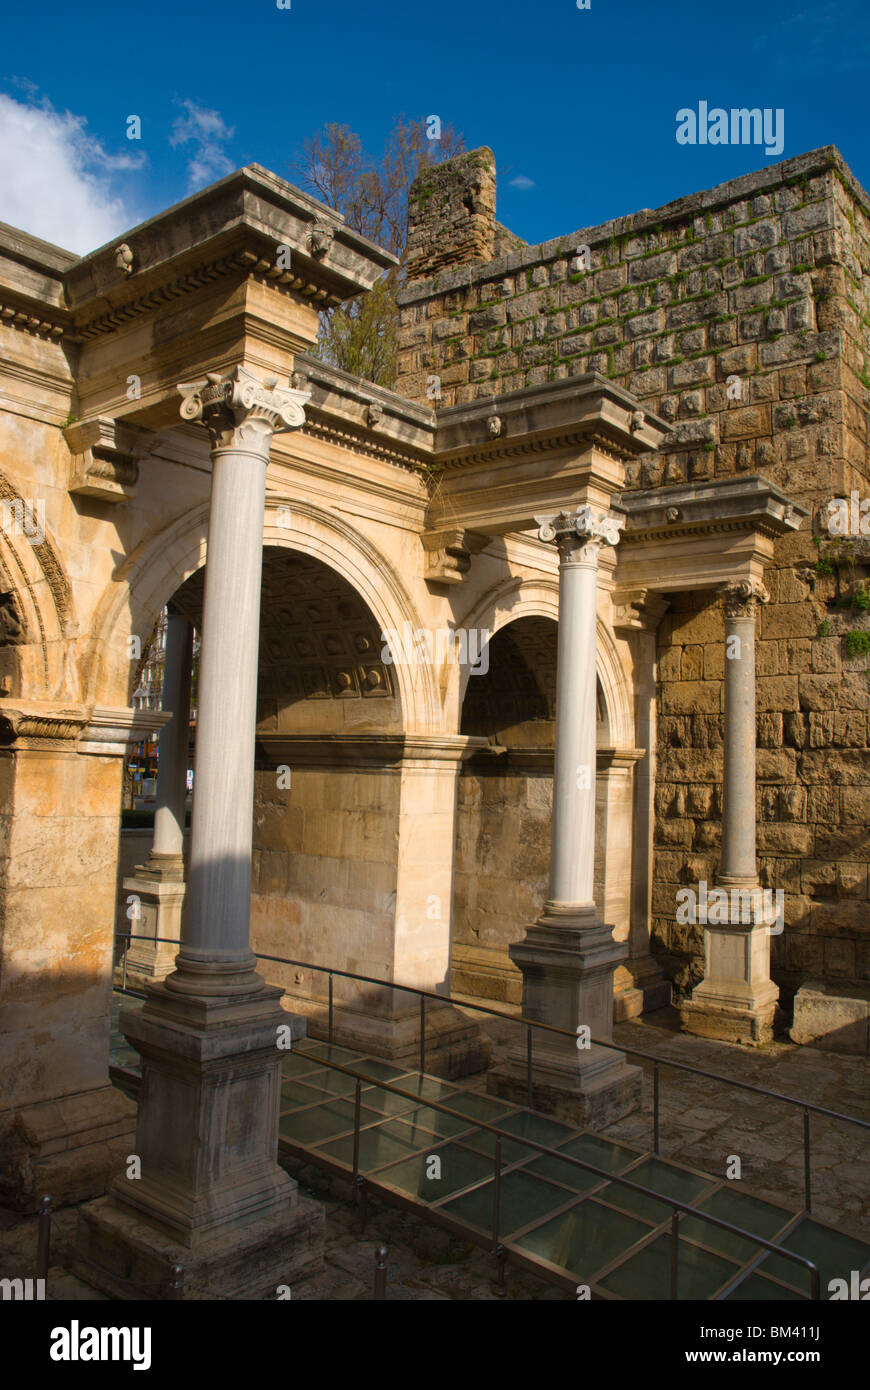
{"x": 857, "y": 642}
{"x": 824, "y": 629}
{"x": 373, "y": 195}
{"x": 361, "y": 336}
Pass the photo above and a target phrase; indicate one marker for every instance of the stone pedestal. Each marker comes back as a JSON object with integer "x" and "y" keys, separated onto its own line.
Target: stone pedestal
{"x": 736, "y": 1001}
{"x": 210, "y": 1196}
{"x": 567, "y": 960}
{"x": 159, "y": 887}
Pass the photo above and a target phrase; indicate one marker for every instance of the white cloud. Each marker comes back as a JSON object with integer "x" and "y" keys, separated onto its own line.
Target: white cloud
{"x": 208, "y": 131}
{"x": 522, "y": 182}
{"x": 56, "y": 177}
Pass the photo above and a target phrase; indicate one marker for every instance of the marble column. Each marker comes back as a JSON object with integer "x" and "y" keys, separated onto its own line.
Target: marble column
{"x": 159, "y": 883}
{"x": 568, "y": 956}
{"x": 209, "y": 1193}
{"x": 737, "y": 999}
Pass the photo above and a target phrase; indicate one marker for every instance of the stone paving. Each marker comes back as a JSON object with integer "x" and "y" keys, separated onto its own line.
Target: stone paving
{"x": 702, "y": 1123}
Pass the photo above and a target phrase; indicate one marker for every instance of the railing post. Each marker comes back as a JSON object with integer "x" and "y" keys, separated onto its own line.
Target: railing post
{"x": 359, "y": 1182}
{"x": 675, "y": 1251}
{"x": 356, "y": 1115}
{"x": 529, "y": 1093}
{"x": 176, "y": 1288}
{"x": 330, "y": 1008}
{"x": 124, "y": 962}
{"x": 655, "y": 1107}
{"x": 808, "y": 1180}
{"x": 422, "y": 1032}
{"x": 43, "y": 1239}
{"x": 498, "y": 1248}
{"x": 380, "y": 1289}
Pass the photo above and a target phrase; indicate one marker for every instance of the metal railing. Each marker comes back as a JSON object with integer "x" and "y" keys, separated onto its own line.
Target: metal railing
{"x": 808, "y": 1108}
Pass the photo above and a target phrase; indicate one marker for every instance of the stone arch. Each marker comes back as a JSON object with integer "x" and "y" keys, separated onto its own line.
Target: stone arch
{"x": 37, "y": 615}
{"x": 539, "y": 598}
{"x": 157, "y": 568}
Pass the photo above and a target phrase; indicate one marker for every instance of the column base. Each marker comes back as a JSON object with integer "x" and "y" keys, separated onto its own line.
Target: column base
{"x": 68, "y": 1148}
{"x": 455, "y": 1043}
{"x": 736, "y": 1001}
{"x": 485, "y": 974}
{"x": 159, "y": 885}
{"x": 639, "y": 987}
{"x": 713, "y": 1014}
{"x": 127, "y": 1258}
{"x": 602, "y": 1089}
{"x": 567, "y": 959}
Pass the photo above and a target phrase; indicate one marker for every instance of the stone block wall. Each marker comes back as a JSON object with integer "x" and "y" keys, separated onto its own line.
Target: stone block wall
{"x": 324, "y": 876}
{"x": 741, "y": 315}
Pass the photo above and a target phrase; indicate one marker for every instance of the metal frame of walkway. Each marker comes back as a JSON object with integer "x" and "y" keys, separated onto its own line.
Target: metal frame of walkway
{"x": 573, "y": 1207}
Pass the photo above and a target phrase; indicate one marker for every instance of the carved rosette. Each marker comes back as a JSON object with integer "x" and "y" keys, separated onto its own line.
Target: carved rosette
{"x": 585, "y": 530}
{"x": 742, "y": 598}
{"x": 240, "y": 411}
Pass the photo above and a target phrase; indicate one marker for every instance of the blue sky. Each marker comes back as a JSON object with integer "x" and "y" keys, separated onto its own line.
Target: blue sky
{"x": 578, "y": 105}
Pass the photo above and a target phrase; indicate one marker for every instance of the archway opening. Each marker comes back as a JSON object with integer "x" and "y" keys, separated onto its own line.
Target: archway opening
{"x": 505, "y": 806}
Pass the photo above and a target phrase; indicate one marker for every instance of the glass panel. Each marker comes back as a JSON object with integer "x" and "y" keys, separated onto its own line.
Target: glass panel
{"x": 602, "y": 1153}
{"x": 295, "y": 1064}
{"x": 328, "y": 1052}
{"x": 584, "y": 1239}
{"x": 294, "y": 1095}
{"x": 537, "y": 1127}
{"x": 522, "y": 1199}
{"x": 457, "y": 1168}
{"x": 480, "y": 1107}
{"x": 323, "y": 1122}
{"x": 387, "y": 1102}
{"x": 429, "y": 1087}
{"x": 380, "y": 1071}
{"x": 741, "y": 1210}
{"x": 383, "y": 1144}
{"x": 563, "y": 1172}
{"x": 834, "y": 1254}
{"x": 647, "y": 1275}
{"x": 432, "y": 1121}
{"x": 661, "y": 1177}
{"x": 755, "y": 1289}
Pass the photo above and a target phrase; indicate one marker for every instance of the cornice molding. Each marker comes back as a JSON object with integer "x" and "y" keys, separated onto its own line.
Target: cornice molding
{"x": 39, "y": 325}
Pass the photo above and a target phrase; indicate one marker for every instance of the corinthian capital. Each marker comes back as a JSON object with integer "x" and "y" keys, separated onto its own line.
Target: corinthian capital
{"x": 241, "y": 411}
{"x": 742, "y": 597}
{"x": 572, "y": 530}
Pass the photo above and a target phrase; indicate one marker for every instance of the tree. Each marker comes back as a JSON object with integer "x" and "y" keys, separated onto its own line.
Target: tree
{"x": 360, "y": 336}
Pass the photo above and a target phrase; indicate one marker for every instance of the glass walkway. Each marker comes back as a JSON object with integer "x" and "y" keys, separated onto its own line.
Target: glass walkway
{"x": 571, "y": 1225}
